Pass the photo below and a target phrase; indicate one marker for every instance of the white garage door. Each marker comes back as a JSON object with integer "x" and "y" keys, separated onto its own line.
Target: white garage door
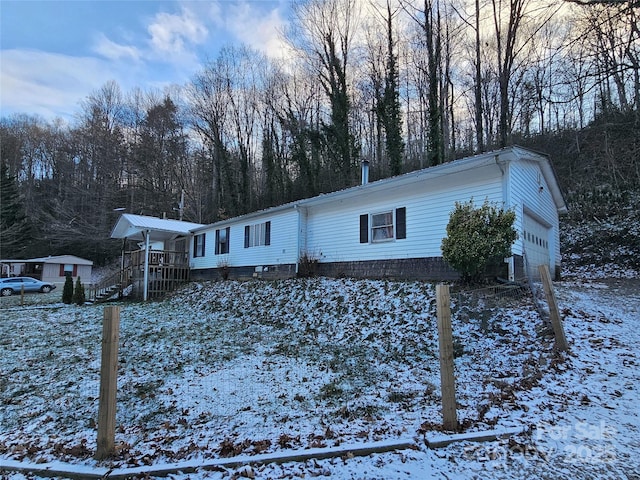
{"x": 536, "y": 244}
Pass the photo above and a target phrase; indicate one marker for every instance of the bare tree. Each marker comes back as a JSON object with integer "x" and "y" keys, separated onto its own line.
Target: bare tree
{"x": 429, "y": 20}
{"x": 322, "y": 31}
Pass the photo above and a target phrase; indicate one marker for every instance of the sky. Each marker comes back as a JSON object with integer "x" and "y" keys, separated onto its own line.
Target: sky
{"x": 53, "y": 54}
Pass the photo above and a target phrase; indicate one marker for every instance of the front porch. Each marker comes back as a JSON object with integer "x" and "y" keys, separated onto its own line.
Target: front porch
{"x": 161, "y": 264}
{"x": 166, "y": 271}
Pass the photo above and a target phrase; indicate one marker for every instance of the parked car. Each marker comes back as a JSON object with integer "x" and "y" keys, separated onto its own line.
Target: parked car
{"x": 9, "y": 286}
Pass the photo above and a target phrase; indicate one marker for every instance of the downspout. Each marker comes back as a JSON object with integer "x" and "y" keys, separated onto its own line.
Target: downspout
{"x": 296, "y": 207}
{"x": 146, "y": 266}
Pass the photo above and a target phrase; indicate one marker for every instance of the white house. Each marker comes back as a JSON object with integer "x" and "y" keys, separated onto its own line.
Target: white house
{"x": 392, "y": 227}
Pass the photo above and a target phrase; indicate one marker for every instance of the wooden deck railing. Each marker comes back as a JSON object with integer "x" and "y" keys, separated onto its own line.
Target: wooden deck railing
{"x": 109, "y": 286}
{"x": 160, "y": 257}
{"x": 168, "y": 270}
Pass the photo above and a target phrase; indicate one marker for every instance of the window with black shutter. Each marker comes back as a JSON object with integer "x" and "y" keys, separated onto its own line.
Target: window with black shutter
{"x": 257, "y": 235}
{"x": 364, "y": 228}
{"x": 222, "y": 241}
{"x": 383, "y": 226}
{"x": 198, "y": 245}
{"x": 401, "y": 223}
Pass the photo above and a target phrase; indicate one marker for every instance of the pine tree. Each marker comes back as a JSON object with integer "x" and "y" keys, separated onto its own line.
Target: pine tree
{"x": 67, "y": 290}
{"x": 78, "y": 294}
{"x": 14, "y": 226}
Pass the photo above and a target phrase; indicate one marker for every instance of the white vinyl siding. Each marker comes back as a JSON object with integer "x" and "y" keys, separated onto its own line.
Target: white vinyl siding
{"x": 334, "y": 228}
{"x": 282, "y": 249}
{"x": 530, "y": 195}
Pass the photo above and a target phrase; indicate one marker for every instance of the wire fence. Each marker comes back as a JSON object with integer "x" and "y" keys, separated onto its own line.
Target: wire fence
{"x": 350, "y": 362}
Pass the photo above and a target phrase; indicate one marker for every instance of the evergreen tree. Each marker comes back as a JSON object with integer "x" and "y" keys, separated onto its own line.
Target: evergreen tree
{"x": 14, "y": 226}
{"x": 392, "y": 112}
{"x": 67, "y": 290}
{"x": 78, "y": 294}
{"x": 476, "y": 236}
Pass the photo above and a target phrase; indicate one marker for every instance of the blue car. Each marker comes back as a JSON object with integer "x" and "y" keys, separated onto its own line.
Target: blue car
{"x": 9, "y": 286}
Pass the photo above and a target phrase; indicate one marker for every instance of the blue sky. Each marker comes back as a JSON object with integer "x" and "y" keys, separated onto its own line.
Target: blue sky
{"x": 55, "y": 53}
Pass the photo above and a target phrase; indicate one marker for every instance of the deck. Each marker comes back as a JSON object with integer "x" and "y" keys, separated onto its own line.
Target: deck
{"x": 168, "y": 270}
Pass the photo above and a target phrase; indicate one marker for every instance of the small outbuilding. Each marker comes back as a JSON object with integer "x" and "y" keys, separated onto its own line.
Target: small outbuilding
{"x": 55, "y": 269}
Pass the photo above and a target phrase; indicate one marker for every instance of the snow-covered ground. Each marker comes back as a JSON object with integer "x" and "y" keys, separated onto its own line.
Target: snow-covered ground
{"x": 229, "y": 368}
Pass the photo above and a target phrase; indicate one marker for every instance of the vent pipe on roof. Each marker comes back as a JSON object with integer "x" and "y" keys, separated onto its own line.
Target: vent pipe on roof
{"x": 365, "y": 172}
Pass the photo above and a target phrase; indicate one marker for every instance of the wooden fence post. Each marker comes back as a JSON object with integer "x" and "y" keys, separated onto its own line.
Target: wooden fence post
{"x": 108, "y": 383}
{"x": 554, "y": 313}
{"x": 445, "y": 340}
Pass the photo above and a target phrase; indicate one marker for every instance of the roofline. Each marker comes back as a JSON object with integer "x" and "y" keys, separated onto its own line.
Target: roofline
{"x": 455, "y": 166}
{"x": 549, "y": 172}
{"x": 130, "y": 216}
{"x": 45, "y": 260}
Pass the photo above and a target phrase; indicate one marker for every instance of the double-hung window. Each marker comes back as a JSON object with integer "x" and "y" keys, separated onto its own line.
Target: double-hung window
{"x": 198, "y": 245}
{"x": 257, "y": 235}
{"x": 222, "y": 240}
{"x": 383, "y": 226}
{"x": 68, "y": 270}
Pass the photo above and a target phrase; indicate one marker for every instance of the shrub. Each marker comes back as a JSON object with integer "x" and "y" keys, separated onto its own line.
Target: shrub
{"x": 78, "y": 294}
{"x": 224, "y": 269}
{"x": 307, "y": 265}
{"x": 476, "y": 236}
{"x": 67, "y": 290}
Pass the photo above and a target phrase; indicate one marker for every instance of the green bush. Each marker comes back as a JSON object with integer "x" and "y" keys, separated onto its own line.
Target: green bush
{"x": 78, "y": 294}
{"x": 476, "y": 236}
{"x": 67, "y": 290}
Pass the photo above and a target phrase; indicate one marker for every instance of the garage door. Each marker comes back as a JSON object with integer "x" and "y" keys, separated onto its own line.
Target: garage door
{"x": 536, "y": 244}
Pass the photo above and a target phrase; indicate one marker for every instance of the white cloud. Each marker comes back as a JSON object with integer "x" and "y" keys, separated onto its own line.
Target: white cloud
{"x": 115, "y": 51}
{"x": 171, "y": 48}
{"x": 173, "y": 34}
{"x": 47, "y": 84}
{"x": 260, "y": 31}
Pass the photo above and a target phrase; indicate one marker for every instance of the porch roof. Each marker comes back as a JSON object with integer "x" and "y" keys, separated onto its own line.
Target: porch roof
{"x": 134, "y": 227}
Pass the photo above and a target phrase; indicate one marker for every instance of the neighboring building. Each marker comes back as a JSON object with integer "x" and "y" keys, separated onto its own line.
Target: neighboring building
{"x": 52, "y": 269}
{"x": 11, "y": 268}
{"x": 393, "y": 227}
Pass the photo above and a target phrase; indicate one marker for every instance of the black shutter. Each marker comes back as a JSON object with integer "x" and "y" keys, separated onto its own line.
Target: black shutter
{"x": 401, "y": 223}
{"x": 226, "y": 245}
{"x": 364, "y": 228}
{"x": 267, "y": 233}
{"x": 195, "y": 246}
{"x": 204, "y": 237}
{"x": 246, "y": 236}
{"x": 217, "y": 242}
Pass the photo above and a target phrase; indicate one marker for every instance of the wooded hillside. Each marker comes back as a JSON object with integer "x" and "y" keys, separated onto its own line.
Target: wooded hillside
{"x": 404, "y": 87}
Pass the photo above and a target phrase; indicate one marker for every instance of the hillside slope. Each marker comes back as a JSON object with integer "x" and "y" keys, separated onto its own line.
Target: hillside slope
{"x": 245, "y": 367}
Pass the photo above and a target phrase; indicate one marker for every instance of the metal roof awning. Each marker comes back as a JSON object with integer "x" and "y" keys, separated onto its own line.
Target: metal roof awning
{"x": 134, "y": 227}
